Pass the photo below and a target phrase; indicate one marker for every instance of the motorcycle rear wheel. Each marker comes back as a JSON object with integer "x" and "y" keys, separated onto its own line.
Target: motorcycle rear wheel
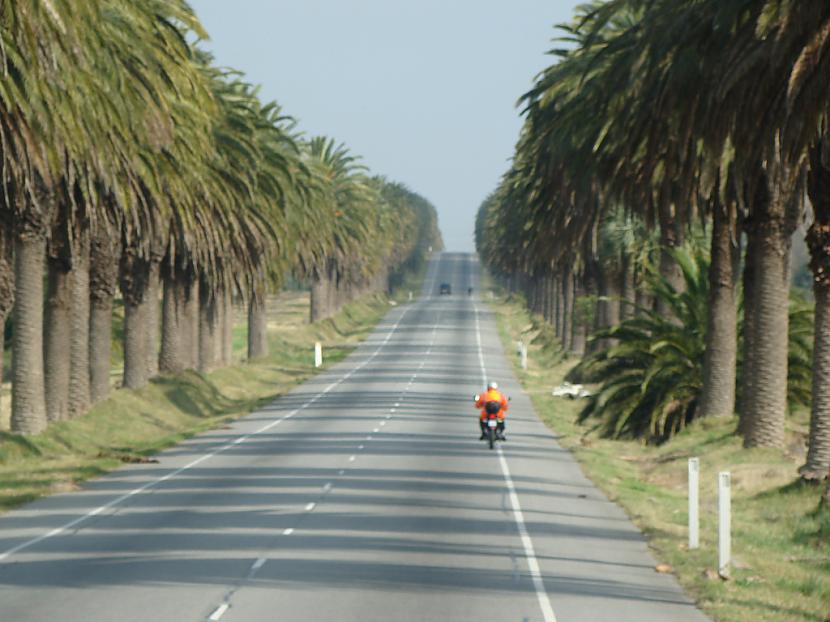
{"x": 491, "y": 437}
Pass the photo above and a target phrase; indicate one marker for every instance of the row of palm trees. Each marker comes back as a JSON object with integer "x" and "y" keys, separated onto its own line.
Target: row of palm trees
{"x": 657, "y": 115}
{"x": 133, "y": 165}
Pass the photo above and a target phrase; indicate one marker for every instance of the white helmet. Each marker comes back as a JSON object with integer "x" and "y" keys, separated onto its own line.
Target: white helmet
{"x": 493, "y": 385}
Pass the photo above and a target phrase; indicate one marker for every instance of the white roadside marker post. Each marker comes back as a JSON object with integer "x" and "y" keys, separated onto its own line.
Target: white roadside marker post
{"x": 524, "y": 356}
{"x": 694, "y": 503}
{"x": 410, "y": 296}
{"x": 724, "y": 523}
{"x": 318, "y": 355}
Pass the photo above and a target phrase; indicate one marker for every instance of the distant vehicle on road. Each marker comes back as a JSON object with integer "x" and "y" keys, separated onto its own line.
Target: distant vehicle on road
{"x": 445, "y": 289}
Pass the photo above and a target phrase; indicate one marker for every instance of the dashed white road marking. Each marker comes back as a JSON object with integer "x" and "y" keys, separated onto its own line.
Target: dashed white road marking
{"x": 259, "y": 563}
{"x": 327, "y": 487}
{"x": 288, "y": 532}
{"x": 310, "y": 506}
{"x": 352, "y": 458}
{"x": 219, "y": 612}
{"x": 382, "y": 423}
{"x": 376, "y": 430}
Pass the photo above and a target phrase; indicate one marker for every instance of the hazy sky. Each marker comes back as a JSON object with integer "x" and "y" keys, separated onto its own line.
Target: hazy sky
{"x": 423, "y": 90}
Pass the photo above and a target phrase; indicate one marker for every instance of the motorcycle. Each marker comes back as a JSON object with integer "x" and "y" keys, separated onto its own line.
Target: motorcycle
{"x": 492, "y": 430}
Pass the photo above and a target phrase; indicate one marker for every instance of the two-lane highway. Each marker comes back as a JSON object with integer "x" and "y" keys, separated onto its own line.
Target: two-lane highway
{"x": 364, "y": 494}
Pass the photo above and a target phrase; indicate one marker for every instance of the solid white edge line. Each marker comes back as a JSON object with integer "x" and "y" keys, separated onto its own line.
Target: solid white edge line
{"x": 118, "y": 500}
{"x": 527, "y": 542}
{"x": 518, "y": 516}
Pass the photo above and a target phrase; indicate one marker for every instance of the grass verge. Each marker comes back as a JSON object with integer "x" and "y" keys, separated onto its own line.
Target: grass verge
{"x": 780, "y": 538}
{"x": 131, "y": 426}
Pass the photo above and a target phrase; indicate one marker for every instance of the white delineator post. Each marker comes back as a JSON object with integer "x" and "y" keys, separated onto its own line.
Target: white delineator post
{"x": 724, "y": 523}
{"x": 694, "y": 503}
{"x": 410, "y": 295}
{"x": 318, "y": 355}
{"x": 524, "y": 356}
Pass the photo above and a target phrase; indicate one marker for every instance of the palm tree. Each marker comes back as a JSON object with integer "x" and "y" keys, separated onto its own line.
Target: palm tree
{"x": 652, "y": 377}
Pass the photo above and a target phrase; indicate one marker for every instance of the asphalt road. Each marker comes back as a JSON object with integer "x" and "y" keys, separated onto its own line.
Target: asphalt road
{"x": 364, "y": 495}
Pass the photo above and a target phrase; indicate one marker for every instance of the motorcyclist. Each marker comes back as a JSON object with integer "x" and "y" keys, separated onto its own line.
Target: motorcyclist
{"x": 491, "y": 400}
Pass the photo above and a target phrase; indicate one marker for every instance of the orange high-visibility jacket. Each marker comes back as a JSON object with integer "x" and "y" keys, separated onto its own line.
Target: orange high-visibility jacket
{"x": 492, "y": 395}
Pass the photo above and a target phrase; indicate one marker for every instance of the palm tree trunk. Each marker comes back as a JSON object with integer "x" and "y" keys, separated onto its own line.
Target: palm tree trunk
{"x": 6, "y": 286}
{"x": 319, "y": 293}
{"x": 818, "y": 453}
{"x": 818, "y": 239}
{"x": 219, "y": 348}
{"x": 257, "y": 326}
{"x": 153, "y": 318}
{"x": 174, "y": 335}
{"x": 591, "y": 318}
{"x": 552, "y": 295}
{"x": 612, "y": 292}
{"x": 720, "y": 359}
{"x": 57, "y": 339}
{"x": 580, "y": 325}
{"x": 768, "y": 406}
{"x": 227, "y": 329}
{"x": 548, "y": 298}
{"x": 568, "y": 309}
{"x": 133, "y": 278}
{"x": 332, "y": 287}
{"x": 103, "y": 284}
{"x": 529, "y": 292}
{"x": 208, "y": 329}
{"x": 750, "y": 289}
{"x": 559, "y": 289}
{"x": 79, "y": 381}
{"x": 628, "y": 298}
{"x": 193, "y": 300}
{"x": 28, "y": 387}
{"x": 671, "y": 237}
{"x": 608, "y": 306}
{"x": 545, "y": 294}
{"x": 642, "y": 299}
{"x": 100, "y": 348}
